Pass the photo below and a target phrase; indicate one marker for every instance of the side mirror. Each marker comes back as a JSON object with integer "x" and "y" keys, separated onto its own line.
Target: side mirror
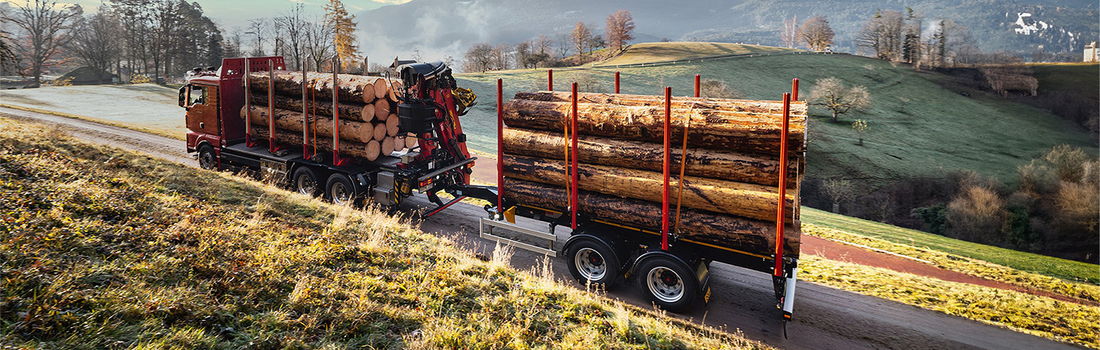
{"x": 184, "y": 95}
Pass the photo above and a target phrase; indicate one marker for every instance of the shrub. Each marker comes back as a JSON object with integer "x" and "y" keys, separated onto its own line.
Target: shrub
{"x": 64, "y": 81}
{"x": 976, "y": 215}
{"x": 717, "y": 89}
{"x": 140, "y": 79}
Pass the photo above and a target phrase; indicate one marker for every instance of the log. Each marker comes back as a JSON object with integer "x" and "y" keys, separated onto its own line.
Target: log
{"x": 387, "y": 146}
{"x": 399, "y": 143}
{"x": 374, "y": 148}
{"x": 411, "y": 141}
{"x": 746, "y": 133}
{"x": 798, "y": 108}
{"x": 739, "y": 199}
{"x": 395, "y": 87}
{"x": 381, "y": 109}
{"x": 322, "y": 107}
{"x": 382, "y": 88}
{"x": 649, "y": 156}
{"x": 347, "y": 148}
{"x": 757, "y": 237}
{"x": 391, "y": 125}
{"x": 379, "y": 131}
{"x": 353, "y": 88}
{"x": 350, "y": 130}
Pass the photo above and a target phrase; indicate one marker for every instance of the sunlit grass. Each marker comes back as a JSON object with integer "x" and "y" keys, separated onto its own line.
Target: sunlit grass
{"x": 101, "y": 248}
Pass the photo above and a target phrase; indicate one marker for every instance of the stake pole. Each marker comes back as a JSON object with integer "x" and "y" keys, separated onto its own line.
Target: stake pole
{"x": 500, "y": 146}
{"x": 667, "y": 168}
{"x": 698, "y": 85}
{"x": 779, "y": 216}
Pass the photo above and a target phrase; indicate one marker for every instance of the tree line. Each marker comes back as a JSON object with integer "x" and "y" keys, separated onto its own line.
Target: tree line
{"x": 544, "y": 51}
{"x": 160, "y": 40}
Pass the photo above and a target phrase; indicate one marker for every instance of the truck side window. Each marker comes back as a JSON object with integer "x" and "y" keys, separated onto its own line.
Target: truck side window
{"x": 198, "y": 95}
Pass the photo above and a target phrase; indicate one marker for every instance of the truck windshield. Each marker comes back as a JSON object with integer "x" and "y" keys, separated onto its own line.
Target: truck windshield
{"x": 198, "y": 95}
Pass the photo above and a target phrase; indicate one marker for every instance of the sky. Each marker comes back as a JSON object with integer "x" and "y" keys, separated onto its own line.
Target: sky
{"x": 231, "y": 13}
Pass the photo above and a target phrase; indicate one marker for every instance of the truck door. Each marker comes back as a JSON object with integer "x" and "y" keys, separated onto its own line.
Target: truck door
{"x": 202, "y": 108}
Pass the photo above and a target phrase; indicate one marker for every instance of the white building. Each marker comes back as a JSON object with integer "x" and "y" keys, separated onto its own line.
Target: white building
{"x": 1091, "y": 53}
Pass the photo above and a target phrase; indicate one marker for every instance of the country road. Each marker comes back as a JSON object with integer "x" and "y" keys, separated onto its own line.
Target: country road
{"x": 825, "y": 318}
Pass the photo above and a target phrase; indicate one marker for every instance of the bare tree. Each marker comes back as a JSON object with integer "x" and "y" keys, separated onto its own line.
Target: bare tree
{"x": 883, "y": 35}
{"x": 860, "y": 127}
{"x": 523, "y": 54}
{"x": 711, "y": 88}
{"x": 542, "y": 44}
{"x": 789, "y": 34}
{"x": 47, "y": 28}
{"x": 95, "y": 40}
{"x": 258, "y": 28}
{"x": 296, "y": 26}
{"x": 502, "y": 57}
{"x": 816, "y": 33}
{"x": 839, "y": 191}
{"x": 478, "y": 58}
{"x": 8, "y": 60}
{"x": 319, "y": 46}
{"x": 839, "y": 99}
{"x": 582, "y": 37}
{"x": 620, "y": 29}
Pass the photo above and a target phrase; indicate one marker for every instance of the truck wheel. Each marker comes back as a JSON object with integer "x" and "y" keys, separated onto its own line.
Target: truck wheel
{"x": 668, "y": 283}
{"x": 593, "y": 262}
{"x": 207, "y": 159}
{"x": 306, "y": 182}
{"x": 340, "y": 190}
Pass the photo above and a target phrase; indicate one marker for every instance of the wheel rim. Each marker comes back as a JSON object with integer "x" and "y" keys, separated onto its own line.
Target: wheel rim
{"x": 307, "y": 185}
{"x": 206, "y": 160}
{"x": 340, "y": 193}
{"x": 665, "y": 284}
{"x": 590, "y": 264}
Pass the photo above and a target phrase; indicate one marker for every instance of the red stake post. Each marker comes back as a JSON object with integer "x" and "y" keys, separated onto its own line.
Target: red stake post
{"x": 550, "y": 80}
{"x": 305, "y": 117}
{"x": 667, "y": 168}
{"x": 271, "y": 146}
{"x": 794, "y": 89}
{"x": 573, "y": 193}
{"x": 500, "y": 145}
{"x": 336, "y": 159}
{"x": 616, "y": 82}
{"x": 779, "y": 216}
{"x": 247, "y": 105}
{"x": 698, "y": 86}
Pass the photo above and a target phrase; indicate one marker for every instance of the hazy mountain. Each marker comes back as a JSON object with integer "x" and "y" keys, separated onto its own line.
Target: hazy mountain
{"x": 438, "y": 28}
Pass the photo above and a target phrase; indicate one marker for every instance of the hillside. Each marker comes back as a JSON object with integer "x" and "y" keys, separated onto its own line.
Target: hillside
{"x": 917, "y": 128}
{"x": 441, "y": 28}
{"x": 674, "y": 51}
{"x": 154, "y": 105}
{"x": 101, "y": 248}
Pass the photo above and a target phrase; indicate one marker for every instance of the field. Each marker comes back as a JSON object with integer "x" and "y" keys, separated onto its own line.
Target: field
{"x": 101, "y": 248}
{"x": 917, "y": 128}
{"x": 147, "y": 107}
{"x": 673, "y": 51}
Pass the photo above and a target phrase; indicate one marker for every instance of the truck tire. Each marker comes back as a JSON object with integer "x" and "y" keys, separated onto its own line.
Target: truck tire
{"x": 305, "y": 181}
{"x": 339, "y": 189}
{"x": 593, "y": 262}
{"x": 668, "y": 283}
{"x": 207, "y": 158}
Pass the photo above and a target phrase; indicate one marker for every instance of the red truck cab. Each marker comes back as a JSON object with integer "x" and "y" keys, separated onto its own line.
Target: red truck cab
{"x": 213, "y": 100}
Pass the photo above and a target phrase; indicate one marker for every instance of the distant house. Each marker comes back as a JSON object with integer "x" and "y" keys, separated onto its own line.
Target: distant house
{"x": 1091, "y": 53}
{"x": 89, "y": 76}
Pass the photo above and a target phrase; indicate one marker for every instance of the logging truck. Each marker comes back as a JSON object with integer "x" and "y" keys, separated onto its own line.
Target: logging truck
{"x": 687, "y": 181}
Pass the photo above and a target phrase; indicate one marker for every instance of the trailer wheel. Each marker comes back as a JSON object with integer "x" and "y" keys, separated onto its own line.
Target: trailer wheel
{"x": 207, "y": 158}
{"x": 306, "y": 182}
{"x": 339, "y": 189}
{"x": 668, "y": 283}
{"x": 592, "y": 262}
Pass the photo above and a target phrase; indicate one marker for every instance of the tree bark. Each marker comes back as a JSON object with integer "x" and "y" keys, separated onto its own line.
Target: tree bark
{"x": 747, "y": 235}
{"x": 740, "y": 199}
{"x": 322, "y": 107}
{"x": 288, "y": 120}
{"x": 353, "y": 88}
{"x": 649, "y": 156}
{"x": 347, "y": 148}
{"x": 798, "y": 108}
{"x": 738, "y": 132}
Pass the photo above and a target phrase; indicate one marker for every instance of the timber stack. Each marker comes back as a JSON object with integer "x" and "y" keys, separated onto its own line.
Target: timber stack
{"x": 727, "y": 196}
{"x": 368, "y": 125}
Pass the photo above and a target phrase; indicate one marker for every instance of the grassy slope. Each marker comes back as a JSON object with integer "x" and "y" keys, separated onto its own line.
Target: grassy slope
{"x": 1029, "y": 262}
{"x": 107, "y": 249}
{"x": 141, "y": 106}
{"x": 672, "y": 51}
{"x": 917, "y": 128}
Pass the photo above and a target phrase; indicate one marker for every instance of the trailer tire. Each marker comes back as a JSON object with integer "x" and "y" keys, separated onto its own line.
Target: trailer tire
{"x": 593, "y": 262}
{"x": 339, "y": 189}
{"x": 207, "y": 158}
{"x": 305, "y": 181}
{"x": 668, "y": 283}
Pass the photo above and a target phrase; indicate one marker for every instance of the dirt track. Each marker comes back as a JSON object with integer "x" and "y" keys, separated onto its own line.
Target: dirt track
{"x": 826, "y": 318}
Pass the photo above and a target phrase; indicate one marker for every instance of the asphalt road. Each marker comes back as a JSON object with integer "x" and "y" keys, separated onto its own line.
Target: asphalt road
{"x": 825, "y": 318}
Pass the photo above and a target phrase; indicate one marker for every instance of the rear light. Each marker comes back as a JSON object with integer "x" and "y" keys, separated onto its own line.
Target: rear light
{"x": 471, "y": 165}
{"x": 425, "y": 183}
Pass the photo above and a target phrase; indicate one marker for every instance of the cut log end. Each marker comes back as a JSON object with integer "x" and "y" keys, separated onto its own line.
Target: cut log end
{"x": 379, "y": 131}
{"x": 387, "y": 146}
{"x": 391, "y": 125}
{"x": 381, "y": 109}
{"x": 374, "y": 149}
